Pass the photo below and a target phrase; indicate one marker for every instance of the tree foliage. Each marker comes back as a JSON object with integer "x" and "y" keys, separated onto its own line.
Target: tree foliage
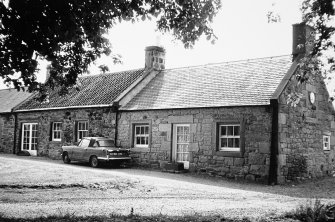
{"x": 319, "y": 14}
{"x": 70, "y": 34}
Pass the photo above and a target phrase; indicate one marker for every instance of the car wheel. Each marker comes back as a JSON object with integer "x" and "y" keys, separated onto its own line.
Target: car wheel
{"x": 66, "y": 158}
{"x": 94, "y": 161}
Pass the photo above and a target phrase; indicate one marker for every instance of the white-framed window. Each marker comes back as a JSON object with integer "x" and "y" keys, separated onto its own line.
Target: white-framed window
{"x": 326, "y": 142}
{"x": 56, "y": 131}
{"x": 229, "y": 137}
{"x": 82, "y": 129}
{"x": 29, "y": 136}
{"x": 141, "y": 136}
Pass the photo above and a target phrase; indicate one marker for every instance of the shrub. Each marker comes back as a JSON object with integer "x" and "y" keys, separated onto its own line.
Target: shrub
{"x": 316, "y": 212}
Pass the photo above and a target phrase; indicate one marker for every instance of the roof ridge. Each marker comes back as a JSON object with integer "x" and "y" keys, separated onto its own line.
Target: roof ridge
{"x": 111, "y": 73}
{"x": 228, "y": 62}
{"x": 26, "y": 90}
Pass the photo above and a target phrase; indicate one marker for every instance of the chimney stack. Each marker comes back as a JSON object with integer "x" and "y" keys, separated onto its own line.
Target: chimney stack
{"x": 155, "y": 57}
{"x": 47, "y": 76}
{"x": 303, "y": 39}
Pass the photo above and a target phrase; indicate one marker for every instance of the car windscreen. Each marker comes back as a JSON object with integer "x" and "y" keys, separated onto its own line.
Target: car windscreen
{"x": 104, "y": 143}
{"x": 84, "y": 143}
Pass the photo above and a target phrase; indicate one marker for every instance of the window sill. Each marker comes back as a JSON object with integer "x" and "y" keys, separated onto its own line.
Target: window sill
{"x": 140, "y": 150}
{"x": 55, "y": 141}
{"x": 229, "y": 153}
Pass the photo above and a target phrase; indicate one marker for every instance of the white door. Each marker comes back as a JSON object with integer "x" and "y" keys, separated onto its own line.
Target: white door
{"x": 181, "y": 144}
{"x": 29, "y": 138}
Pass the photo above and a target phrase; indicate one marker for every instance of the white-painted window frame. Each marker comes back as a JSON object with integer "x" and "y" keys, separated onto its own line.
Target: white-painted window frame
{"x": 141, "y": 135}
{"x": 82, "y": 132}
{"x": 236, "y": 135}
{"x": 57, "y": 130}
{"x": 326, "y": 142}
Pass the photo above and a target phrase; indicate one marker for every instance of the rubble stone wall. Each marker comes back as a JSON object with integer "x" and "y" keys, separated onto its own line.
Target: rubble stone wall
{"x": 252, "y": 164}
{"x": 301, "y": 131}
{"x": 101, "y": 122}
{"x": 7, "y": 126}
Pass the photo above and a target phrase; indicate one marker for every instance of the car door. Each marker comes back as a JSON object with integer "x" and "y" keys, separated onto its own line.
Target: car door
{"x": 79, "y": 151}
{"x": 90, "y": 150}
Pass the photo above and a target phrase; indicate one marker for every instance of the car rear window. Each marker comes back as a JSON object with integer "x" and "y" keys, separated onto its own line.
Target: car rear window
{"x": 103, "y": 143}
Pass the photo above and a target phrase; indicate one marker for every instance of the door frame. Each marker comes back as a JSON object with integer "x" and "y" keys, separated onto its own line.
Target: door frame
{"x": 174, "y": 143}
{"x": 32, "y": 152}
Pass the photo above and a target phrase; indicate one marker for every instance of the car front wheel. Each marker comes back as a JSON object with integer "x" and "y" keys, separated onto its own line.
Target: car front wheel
{"x": 66, "y": 158}
{"x": 94, "y": 161}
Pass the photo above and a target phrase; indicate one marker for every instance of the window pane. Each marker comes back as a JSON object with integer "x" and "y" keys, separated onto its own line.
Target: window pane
{"x": 138, "y": 140}
{"x": 224, "y": 142}
{"x": 230, "y": 130}
{"x": 146, "y": 140}
{"x": 142, "y": 140}
{"x": 138, "y": 130}
{"x": 223, "y": 130}
{"x": 146, "y": 129}
{"x": 237, "y": 142}
{"x": 179, "y": 157}
{"x": 236, "y": 130}
{"x": 179, "y": 139}
{"x": 179, "y": 130}
{"x": 186, "y": 130}
{"x": 230, "y": 142}
{"x": 185, "y": 157}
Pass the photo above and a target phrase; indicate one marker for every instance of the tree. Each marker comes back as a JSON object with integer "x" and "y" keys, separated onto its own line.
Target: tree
{"x": 71, "y": 34}
{"x": 320, "y": 15}
{"x": 103, "y": 68}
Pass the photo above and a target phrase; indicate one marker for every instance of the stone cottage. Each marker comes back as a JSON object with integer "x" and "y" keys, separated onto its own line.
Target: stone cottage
{"x": 9, "y": 98}
{"x": 228, "y": 119}
{"x": 44, "y": 127}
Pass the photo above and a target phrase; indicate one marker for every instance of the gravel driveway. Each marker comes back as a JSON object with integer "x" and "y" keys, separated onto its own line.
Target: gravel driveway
{"x": 31, "y": 187}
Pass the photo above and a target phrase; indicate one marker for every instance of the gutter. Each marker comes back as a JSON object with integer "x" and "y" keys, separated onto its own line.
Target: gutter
{"x": 15, "y": 131}
{"x": 116, "y": 105}
{"x": 66, "y": 107}
{"x": 274, "y": 143}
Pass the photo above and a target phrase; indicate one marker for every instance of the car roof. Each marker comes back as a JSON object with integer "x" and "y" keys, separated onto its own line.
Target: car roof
{"x": 98, "y": 138}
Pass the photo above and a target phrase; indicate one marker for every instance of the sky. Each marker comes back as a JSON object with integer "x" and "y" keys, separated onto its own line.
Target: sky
{"x": 241, "y": 26}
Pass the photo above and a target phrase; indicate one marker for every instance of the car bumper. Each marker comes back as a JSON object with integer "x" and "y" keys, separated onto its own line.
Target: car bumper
{"x": 114, "y": 158}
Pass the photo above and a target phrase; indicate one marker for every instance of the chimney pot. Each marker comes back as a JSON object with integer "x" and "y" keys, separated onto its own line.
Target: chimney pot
{"x": 155, "y": 57}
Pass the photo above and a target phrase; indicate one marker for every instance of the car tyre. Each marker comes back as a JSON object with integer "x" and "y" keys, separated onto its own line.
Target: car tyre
{"x": 66, "y": 158}
{"x": 94, "y": 162}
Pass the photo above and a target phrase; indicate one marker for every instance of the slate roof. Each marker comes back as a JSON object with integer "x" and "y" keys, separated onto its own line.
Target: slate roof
{"x": 94, "y": 90}
{"x": 9, "y": 98}
{"x": 239, "y": 83}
